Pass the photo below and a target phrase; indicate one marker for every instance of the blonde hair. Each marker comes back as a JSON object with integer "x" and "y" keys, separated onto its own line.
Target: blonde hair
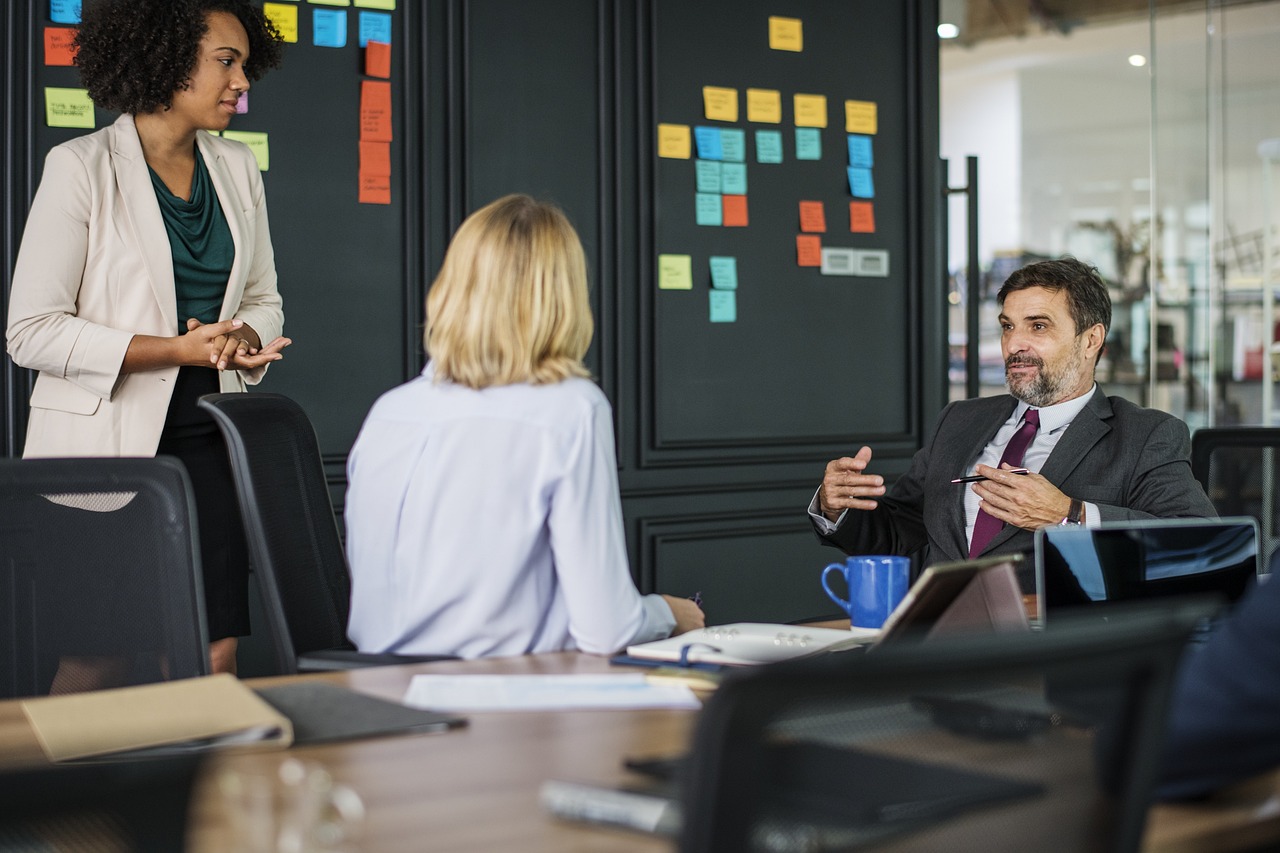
{"x": 510, "y": 302}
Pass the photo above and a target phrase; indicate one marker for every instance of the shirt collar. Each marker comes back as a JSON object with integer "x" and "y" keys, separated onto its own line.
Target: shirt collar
{"x": 1057, "y": 416}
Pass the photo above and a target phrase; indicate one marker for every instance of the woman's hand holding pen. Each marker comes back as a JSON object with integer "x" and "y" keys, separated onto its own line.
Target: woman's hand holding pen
{"x": 845, "y": 485}
{"x": 688, "y": 614}
{"x": 1027, "y": 500}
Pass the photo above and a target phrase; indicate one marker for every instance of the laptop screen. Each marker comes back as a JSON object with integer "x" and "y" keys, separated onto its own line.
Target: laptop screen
{"x": 1079, "y": 567}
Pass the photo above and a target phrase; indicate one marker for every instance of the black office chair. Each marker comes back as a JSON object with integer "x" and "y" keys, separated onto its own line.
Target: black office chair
{"x": 1238, "y": 468}
{"x": 1045, "y": 741}
{"x": 293, "y": 537}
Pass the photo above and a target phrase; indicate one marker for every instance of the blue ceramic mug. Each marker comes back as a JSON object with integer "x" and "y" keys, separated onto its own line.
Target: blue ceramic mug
{"x": 876, "y": 585}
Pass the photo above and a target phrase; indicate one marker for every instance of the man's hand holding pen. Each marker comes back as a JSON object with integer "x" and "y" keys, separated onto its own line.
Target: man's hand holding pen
{"x": 1019, "y": 498}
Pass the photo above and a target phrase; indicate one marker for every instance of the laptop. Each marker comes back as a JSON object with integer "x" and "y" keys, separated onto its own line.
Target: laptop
{"x": 1078, "y": 567}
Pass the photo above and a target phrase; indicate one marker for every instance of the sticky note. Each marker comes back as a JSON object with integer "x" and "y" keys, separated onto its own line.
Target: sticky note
{"x": 860, "y": 117}
{"x": 285, "y": 18}
{"x": 786, "y": 33}
{"x": 720, "y": 103}
{"x": 708, "y": 174}
{"x": 733, "y": 179}
{"x": 706, "y": 209}
{"x": 329, "y": 28}
{"x": 811, "y": 110}
{"x": 375, "y": 159}
{"x": 375, "y": 26}
{"x": 330, "y": 2}
{"x": 374, "y": 189}
{"x": 375, "y": 111}
{"x": 768, "y": 146}
{"x": 813, "y": 217}
{"x": 808, "y": 144}
{"x": 242, "y": 104}
{"x": 64, "y": 11}
{"x": 808, "y": 250}
{"x": 764, "y": 105}
{"x": 724, "y": 272}
{"x": 675, "y": 272}
{"x": 735, "y": 211}
{"x": 733, "y": 144}
{"x": 708, "y": 139}
{"x": 724, "y": 306}
{"x": 377, "y": 4}
{"x": 673, "y": 141}
{"x": 860, "y": 151}
{"x": 67, "y": 107}
{"x": 838, "y": 261}
{"x": 377, "y": 59}
{"x": 257, "y": 143}
{"x": 862, "y": 217}
{"x": 860, "y": 183}
{"x": 58, "y": 49}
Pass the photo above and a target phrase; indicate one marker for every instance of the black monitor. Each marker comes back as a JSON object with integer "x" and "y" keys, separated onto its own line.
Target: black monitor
{"x": 1078, "y": 567}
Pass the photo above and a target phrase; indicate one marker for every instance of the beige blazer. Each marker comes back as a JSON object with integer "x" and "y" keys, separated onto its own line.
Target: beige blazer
{"x": 95, "y": 268}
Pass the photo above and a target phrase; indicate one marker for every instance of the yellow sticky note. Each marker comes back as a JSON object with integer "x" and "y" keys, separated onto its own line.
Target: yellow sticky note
{"x": 811, "y": 110}
{"x": 673, "y": 141}
{"x": 786, "y": 33}
{"x": 389, "y": 5}
{"x": 257, "y": 143}
{"x": 67, "y": 107}
{"x": 721, "y": 104}
{"x": 285, "y": 18}
{"x": 764, "y": 105}
{"x": 330, "y": 2}
{"x": 859, "y": 116}
{"x": 675, "y": 272}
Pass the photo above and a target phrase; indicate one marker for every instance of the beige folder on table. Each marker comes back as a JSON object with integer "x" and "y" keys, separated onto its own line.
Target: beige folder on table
{"x": 193, "y": 713}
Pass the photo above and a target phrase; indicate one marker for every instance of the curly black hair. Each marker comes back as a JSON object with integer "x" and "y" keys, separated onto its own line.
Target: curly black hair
{"x": 135, "y": 54}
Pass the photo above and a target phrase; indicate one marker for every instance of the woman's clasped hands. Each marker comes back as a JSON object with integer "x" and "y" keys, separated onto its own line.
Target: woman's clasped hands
{"x": 230, "y": 345}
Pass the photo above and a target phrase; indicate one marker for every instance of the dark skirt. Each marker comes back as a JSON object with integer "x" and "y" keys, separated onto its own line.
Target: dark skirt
{"x": 192, "y": 436}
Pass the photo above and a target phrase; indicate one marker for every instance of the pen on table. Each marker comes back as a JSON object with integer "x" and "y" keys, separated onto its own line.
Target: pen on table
{"x": 978, "y": 477}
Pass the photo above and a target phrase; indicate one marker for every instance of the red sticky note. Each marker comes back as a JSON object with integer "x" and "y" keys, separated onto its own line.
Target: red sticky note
{"x": 377, "y": 59}
{"x": 375, "y": 111}
{"x": 375, "y": 159}
{"x": 58, "y": 49}
{"x": 734, "y": 211}
{"x": 808, "y": 250}
{"x": 813, "y": 217}
{"x": 375, "y": 189}
{"x": 862, "y": 217}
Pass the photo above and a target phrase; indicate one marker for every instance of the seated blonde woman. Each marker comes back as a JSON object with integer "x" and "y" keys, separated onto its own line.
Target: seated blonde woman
{"x": 482, "y": 513}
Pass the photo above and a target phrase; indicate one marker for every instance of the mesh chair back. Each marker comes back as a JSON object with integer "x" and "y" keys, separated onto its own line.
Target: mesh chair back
{"x": 1238, "y": 467}
{"x": 293, "y": 536}
{"x": 99, "y": 575}
{"x": 1045, "y": 741}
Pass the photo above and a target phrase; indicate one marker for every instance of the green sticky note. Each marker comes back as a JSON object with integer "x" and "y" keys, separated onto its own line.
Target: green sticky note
{"x": 67, "y": 107}
{"x": 808, "y": 143}
{"x": 389, "y": 5}
{"x": 708, "y": 172}
{"x": 768, "y": 146}
{"x": 733, "y": 144}
{"x": 724, "y": 272}
{"x": 724, "y": 306}
{"x": 675, "y": 272}
{"x": 733, "y": 179}
{"x": 257, "y": 143}
{"x": 707, "y": 209}
{"x": 330, "y": 2}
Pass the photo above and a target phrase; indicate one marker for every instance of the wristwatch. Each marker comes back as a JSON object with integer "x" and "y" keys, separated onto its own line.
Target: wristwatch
{"x": 1075, "y": 515}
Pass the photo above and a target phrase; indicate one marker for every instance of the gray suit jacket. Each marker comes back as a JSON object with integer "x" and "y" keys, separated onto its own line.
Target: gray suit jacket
{"x": 1129, "y": 461}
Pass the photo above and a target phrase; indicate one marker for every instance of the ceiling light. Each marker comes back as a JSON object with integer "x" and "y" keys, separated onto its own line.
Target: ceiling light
{"x": 1137, "y": 60}
{"x": 948, "y": 31}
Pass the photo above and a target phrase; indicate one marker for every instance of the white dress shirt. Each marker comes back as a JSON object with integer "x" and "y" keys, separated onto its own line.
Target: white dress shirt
{"x": 488, "y": 522}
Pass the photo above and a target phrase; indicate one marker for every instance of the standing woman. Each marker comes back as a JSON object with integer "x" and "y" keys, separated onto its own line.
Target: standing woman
{"x": 146, "y": 276}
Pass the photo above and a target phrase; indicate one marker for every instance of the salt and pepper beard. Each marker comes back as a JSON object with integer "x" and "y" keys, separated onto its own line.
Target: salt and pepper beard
{"x": 1047, "y": 386}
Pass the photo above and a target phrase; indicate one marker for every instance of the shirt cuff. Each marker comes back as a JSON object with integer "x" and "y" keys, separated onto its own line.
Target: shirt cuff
{"x": 657, "y": 620}
{"x": 824, "y": 525}
{"x": 1092, "y": 515}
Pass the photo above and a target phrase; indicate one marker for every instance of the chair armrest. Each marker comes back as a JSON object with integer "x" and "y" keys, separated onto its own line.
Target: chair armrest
{"x": 331, "y": 660}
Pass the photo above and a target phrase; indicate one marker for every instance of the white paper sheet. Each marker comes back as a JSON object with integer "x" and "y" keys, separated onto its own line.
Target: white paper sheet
{"x": 544, "y": 693}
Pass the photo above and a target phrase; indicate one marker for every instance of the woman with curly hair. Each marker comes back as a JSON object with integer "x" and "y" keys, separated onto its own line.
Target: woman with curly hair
{"x": 146, "y": 276}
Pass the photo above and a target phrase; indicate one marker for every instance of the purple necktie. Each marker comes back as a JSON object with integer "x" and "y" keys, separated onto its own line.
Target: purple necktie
{"x": 985, "y": 527}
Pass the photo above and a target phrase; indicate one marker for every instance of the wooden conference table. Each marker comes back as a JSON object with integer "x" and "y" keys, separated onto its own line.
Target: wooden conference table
{"x": 476, "y": 788}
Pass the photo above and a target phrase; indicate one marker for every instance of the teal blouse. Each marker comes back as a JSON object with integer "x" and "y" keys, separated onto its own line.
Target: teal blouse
{"x": 200, "y": 241}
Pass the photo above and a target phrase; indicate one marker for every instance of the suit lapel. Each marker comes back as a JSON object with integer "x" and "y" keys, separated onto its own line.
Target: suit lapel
{"x": 133, "y": 180}
{"x": 223, "y": 187}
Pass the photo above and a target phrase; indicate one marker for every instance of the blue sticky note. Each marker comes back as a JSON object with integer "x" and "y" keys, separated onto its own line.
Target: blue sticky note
{"x": 860, "y": 184}
{"x": 64, "y": 11}
{"x": 734, "y": 144}
{"x": 708, "y": 209}
{"x": 708, "y": 141}
{"x": 860, "y": 151}
{"x": 329, "y": 27}
{"x": 708, "y": 172}
{"x": 808, "y": 143}
{"x": 724, "y": 306}
{"x": 768, "y": 146}
{"x": 733, "y": 179}
{"x": 724, "y": 272}
{"x": 375, "y": 26}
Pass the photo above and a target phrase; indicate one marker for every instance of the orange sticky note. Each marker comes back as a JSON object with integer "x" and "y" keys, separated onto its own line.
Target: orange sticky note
{"x": 375, "y": 189}
{"x": 58, "y": 49}
{"x": 813, "y": 217}
{"x": 375, "y": 159}
{"x": 375, "y": 111}
{"x": 377, "y": 59}
{"x": 862, "y": 217}
{"x": 808, "y": 250}
{"x": 735, "y": 210}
